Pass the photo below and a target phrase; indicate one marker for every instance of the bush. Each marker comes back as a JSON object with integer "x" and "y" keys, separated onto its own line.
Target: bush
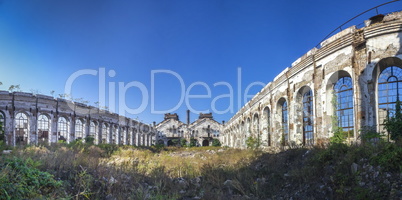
{"x": 339, "y": 136}
{"x": 216, "y": 143}
{"x": 394, "y": 124}
{"x": 89, "y": 140}
{"x": 389, "y": 157}
{"x": 369, "y": 134}
{"x": 183, "y": 142}
{"x": 19, "y": 179}
{"x": 252, "y": 143}
{"x": 193, "y": 142}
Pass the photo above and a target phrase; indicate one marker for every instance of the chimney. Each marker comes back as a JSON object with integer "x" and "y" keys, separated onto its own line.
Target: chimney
{"x": 154, "y": 123}
{"x": 188, "y": 117}
{"x": 223, "y": 122}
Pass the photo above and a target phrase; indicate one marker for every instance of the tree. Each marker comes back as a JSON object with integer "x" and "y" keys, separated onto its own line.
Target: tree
{"x": 393, "y": 124}
{"x": 13, "y": 88}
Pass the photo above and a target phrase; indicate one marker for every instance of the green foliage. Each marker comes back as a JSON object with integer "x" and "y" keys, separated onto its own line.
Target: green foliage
{"x": 370, "y": 134}
{"x": 89, "y": 140}
{"x": 332, "y": 153}
{"x": 183, "y": 142}
{"x": 193, "y": 142}
{"x": 394, "y": 124}
{"x": 216, "y": 143}
{"x": 109, "y": 149}
{"x": 252, "y": 143}
{"x": 339, "y": 134}
{"x": 389, "y": 157}
{"x": 176, "y": 142}
{"x": 19, "y": 179}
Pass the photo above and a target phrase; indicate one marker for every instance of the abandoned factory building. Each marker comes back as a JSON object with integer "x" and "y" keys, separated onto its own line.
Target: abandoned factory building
{"x": 352, "y": 81}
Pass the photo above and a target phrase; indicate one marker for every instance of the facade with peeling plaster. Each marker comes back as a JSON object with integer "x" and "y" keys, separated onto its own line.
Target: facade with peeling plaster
{"x": 352, "y": 81}
{"x": 203, "y": 130}
{"x": 35, "y": 119}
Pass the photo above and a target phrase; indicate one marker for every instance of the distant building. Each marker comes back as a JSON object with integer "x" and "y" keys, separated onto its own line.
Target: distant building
{"x": 171, "y": 130}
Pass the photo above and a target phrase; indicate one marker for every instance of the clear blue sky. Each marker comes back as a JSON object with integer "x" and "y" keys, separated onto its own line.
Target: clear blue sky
{"x": 43, "y": 42}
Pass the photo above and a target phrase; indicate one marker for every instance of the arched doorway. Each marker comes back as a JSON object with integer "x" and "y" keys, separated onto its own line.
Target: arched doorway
{"x": 170, "y": 143}
{"x": 205, "y": 143}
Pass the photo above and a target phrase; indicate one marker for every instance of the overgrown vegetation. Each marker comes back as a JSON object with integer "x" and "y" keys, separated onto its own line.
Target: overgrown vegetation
{"x": 252, "y": 142}
{"x": 393, "y": 124}
{"x": 84, "y": 171}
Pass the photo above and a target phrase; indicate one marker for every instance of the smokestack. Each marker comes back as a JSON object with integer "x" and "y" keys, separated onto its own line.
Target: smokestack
{"x": 188, "y": 117}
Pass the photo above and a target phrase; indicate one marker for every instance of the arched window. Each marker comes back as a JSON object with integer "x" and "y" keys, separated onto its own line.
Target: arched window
{"x": 135, "y": 137}
{"x": 105, "y": 133}
{"x": 79, "y": 129}
{"x": 389, "y": 91}
{"x": 267, "y": 115}
{"x": 43, "y": 127}
{"x": 248, "y": 127}
{"x": 93, "y": 131}
{"x": 308, "y": 133}
{"x": 284, "y": 120}
{"x": 63, "y": 128}
{"x": 21, "y": 128}
{"x": 344, "y": 105}
{"x": 2, "y": 124}
{"x": 114, "y": 135}
{"x": 123, "y": 137}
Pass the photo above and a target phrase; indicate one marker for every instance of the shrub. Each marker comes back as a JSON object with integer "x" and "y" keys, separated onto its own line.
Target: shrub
{"x": 19, "y": 179}
{"x": 394, "y": 124}
{"x": 389, "y": 157}
{"x": 216, "y": 143}
{"x": 193, "y": 142}
{"x": 252, "y": 143}
{"x": 89, "y": 140}
{"x": 183, "y": 142}
{"x": 369, "y": 134}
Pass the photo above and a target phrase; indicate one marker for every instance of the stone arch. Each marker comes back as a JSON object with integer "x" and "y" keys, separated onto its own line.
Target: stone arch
{"x": 79, "y": 128}
{"x": 266, "y": 132}
{"x": 340, "y": 98}
{"x": 3, "y": 126}
{"x": 388, "y": 84}
{"x": 115, "y": 134}
{"x": 256, "y": 127}
{"x": 44, "y": 127}
{"x": 105, "y": 133}
{"x": 94, "y": 131}
{"x": 340, "y": 87}
{"x": 248, "y": 127}
{"x": 135, "y": 137}
{"x": 283, "y": 111}
{"x": 22, "y": 127}
{"x": 205, "y": 143}
{"x": 304, "y": 113}
{"x": 170, "y": 143}
{"x": 63, "y": 129}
